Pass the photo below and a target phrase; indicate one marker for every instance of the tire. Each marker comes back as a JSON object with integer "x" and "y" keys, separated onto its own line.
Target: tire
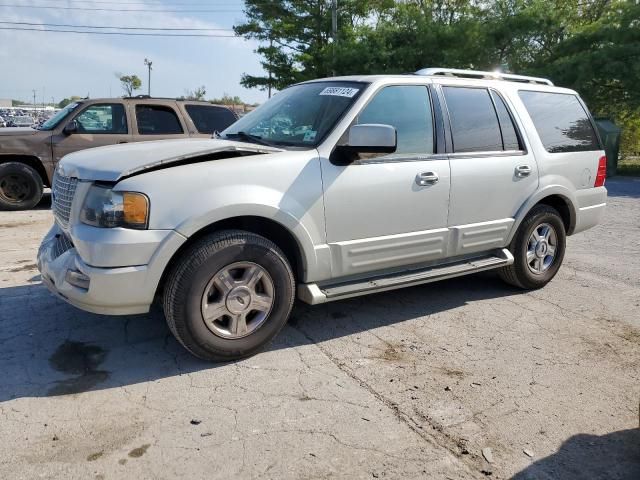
{"x": 20, "y": 186}
{"x": 533, "y": 265}
{"x": 219, "y": 264}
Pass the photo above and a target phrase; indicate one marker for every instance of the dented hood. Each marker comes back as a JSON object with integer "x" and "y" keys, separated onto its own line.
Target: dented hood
{"x": 114, "y": 162}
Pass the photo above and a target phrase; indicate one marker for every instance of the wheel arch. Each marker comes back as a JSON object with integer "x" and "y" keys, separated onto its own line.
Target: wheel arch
{"x": 275, "y": 231}
{"x": 557, "y": 197}
{"x": 30, "y": 160}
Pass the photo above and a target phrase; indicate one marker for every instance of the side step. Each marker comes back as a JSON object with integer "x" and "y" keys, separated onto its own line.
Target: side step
{"x": 313, "y": 294}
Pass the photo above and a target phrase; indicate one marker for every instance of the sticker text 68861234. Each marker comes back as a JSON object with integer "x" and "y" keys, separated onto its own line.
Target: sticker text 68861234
{"x": 340, "y": 91}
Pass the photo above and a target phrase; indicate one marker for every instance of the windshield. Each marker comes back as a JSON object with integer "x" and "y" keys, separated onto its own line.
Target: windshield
{"x": 300, "y": 116}
{"x": 58, "y": 117}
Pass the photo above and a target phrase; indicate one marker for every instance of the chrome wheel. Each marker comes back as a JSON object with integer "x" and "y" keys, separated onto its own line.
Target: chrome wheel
{"x": 541, "y": 249}
{"x": 237, "y": 300}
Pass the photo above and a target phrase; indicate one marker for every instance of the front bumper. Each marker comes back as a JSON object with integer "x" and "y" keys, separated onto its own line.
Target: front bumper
{"x": 122, "y": 290}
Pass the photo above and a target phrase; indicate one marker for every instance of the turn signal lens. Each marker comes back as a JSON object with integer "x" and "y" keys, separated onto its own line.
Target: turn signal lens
{"x": 135, "y": 209}
{"x": 602, "y": 172}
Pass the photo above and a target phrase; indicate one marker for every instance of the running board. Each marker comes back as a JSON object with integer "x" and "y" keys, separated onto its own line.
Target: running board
{"x": 313, "y": 294}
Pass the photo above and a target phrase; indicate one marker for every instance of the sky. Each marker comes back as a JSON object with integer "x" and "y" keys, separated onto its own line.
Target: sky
{"x": 59, "y": 65}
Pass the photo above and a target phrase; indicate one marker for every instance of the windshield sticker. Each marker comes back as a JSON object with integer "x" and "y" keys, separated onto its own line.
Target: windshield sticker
{"x": 340, "y": 91}
{"x": 309, "y": 136}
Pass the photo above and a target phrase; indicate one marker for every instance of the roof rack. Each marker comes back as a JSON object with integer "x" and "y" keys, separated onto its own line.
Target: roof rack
{"x": 455, "y": 72}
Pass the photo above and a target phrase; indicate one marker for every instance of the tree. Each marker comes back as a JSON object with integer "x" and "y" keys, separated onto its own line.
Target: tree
{"x": 197, "y": 94}
{"x": 66, "y": 101}
{"x": 130, "y": 83}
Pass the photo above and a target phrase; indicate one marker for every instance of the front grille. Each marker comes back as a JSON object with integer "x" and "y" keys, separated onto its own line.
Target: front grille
{"x": 62, "y": 197}
{"x": 61, "y": 245}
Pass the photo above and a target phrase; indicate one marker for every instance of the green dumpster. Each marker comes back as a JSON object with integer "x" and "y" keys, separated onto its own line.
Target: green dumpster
{"x": 610, "y": 134}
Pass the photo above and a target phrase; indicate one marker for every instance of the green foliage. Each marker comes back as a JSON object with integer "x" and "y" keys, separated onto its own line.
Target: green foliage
{"x": 130, "y": 83}
{"x": 228, "y": 100}
{"x": 592, "y": 46}
{"x": 66, "y": 101}
{"x": 197, "y": 94}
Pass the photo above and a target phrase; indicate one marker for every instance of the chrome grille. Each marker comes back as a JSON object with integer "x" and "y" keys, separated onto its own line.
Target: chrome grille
{"x": 62, "y": 196}
{"x": 61, "y": 245}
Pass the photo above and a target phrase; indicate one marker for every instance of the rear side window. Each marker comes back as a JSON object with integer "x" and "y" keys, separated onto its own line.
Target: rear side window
{"x": 157, "y": 120}
{"x": 209, "y": 119}
{"x": 562, "y": 123}
{"x": 474, "y": 124}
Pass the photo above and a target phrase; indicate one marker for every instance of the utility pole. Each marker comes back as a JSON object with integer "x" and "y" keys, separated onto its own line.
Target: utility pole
{"x": 148, "y": 63}
{"x": 34, "y": 97}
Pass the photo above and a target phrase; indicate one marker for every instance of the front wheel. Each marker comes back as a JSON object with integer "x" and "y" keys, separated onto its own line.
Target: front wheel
{"x": 538, "y": 249}
{"x": 20, "y": 186}
{"x": 228, "y": 295}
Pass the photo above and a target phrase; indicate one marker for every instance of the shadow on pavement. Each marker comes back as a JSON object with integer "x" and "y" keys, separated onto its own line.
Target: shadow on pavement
{"x": 49, "y": 348}
{"x": 612, "y": 456}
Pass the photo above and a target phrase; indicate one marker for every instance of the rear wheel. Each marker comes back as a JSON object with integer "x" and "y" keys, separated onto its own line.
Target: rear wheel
{"x": 20, "y": 186}
{"x": 229, "y": 295}
{"x": 538, "y": 249}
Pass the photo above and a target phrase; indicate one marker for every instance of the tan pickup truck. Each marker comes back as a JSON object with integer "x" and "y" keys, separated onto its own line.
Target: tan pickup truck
{"x": 28, "y": 156}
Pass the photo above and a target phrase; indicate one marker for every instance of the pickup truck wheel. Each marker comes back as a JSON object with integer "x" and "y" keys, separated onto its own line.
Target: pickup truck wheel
{"x": 228, "y": 295}
{"x": 20, "y": 186}
{"x": 538, "y": 249}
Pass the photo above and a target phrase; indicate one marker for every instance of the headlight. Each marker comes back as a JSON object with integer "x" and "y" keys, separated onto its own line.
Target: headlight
{"x": 105, "y": 208}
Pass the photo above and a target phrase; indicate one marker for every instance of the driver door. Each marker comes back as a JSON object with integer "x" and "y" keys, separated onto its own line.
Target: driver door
{"x": 389, "y": 210}
{"x": 98, "y": 124}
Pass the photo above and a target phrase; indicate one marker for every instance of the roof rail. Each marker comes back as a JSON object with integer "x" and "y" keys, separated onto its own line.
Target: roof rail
{"x": 455, "y": 72}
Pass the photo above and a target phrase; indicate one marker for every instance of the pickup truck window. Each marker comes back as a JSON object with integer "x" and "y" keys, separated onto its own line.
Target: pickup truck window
{"x": 561, "y": 121}
{"x": 210, "y": 119}
{"x": 408, "y": 109}
{"x": 301, "y": 115}
{"x": 474, "y": 123}
{"x": 103, "y": 118}
{"x": 157, "y": 120}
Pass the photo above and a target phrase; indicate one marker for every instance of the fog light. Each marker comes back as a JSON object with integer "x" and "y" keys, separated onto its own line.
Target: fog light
{"x": 77, "y": 279}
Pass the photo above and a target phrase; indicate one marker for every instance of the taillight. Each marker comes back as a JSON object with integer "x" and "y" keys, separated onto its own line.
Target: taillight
{"x": 602, "y": 172}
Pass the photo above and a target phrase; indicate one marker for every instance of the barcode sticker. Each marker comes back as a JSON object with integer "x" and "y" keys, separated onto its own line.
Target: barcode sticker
{"x": 340, "y": 91}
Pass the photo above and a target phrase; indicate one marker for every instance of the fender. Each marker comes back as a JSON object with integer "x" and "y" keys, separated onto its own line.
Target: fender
{"x": 554, "y": 189}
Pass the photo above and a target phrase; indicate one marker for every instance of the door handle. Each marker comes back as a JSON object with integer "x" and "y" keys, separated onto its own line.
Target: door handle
{"x": 123, "y": 141}
{"x": 427, "y": 178}
{"x": 523, "y": 171}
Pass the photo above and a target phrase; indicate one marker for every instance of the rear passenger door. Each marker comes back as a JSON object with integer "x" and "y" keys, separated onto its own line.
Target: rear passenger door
{"x": 492, "y": 171}
{"x": 155, "y": 121}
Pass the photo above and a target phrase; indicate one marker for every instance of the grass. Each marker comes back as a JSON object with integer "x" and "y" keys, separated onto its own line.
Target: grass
{"x": 629, "y": 166}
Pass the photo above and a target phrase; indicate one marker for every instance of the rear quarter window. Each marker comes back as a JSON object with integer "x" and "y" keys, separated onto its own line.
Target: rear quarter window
{"x": 561, "y": 121}
{"x": 209, "y": 119}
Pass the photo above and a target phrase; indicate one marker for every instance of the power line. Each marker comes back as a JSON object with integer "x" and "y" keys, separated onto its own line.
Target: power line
{"x": 120, "y": 9}
{"x": 122, "y": 33}
{"x": 103, "y": 27}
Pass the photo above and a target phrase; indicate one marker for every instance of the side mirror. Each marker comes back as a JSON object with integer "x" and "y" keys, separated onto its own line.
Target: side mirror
{"x": 372, "y": 138}
{"x": 71, "y": 127}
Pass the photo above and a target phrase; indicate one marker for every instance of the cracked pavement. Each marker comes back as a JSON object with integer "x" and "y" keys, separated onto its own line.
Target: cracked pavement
{"x": 412, "y": 383}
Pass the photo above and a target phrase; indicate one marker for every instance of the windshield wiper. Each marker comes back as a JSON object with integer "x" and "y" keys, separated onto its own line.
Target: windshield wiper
{"x": 249, "y": 137}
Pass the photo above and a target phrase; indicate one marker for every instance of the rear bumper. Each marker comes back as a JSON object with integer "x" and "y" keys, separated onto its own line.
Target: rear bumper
{"x": 592, "y": 204}
{"x": 110, "y": 291}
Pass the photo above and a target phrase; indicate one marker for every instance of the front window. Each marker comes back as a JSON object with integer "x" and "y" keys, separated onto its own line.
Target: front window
{"x": 301, "y": 115}
{"x": 58, "y": 117}
{"x": 103, "y": 118}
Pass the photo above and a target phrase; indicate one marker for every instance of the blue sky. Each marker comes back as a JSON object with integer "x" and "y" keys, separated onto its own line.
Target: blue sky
{"x": 65, "y": 64}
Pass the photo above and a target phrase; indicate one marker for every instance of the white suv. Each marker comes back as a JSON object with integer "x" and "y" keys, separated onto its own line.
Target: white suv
{"x": 333, "y": 188}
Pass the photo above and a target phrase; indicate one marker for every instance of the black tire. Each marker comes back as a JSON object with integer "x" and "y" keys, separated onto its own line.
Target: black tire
{"x": 520, "y": 274}
{"x": 20, "y": 186}
{"x": 191, "y": 275}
